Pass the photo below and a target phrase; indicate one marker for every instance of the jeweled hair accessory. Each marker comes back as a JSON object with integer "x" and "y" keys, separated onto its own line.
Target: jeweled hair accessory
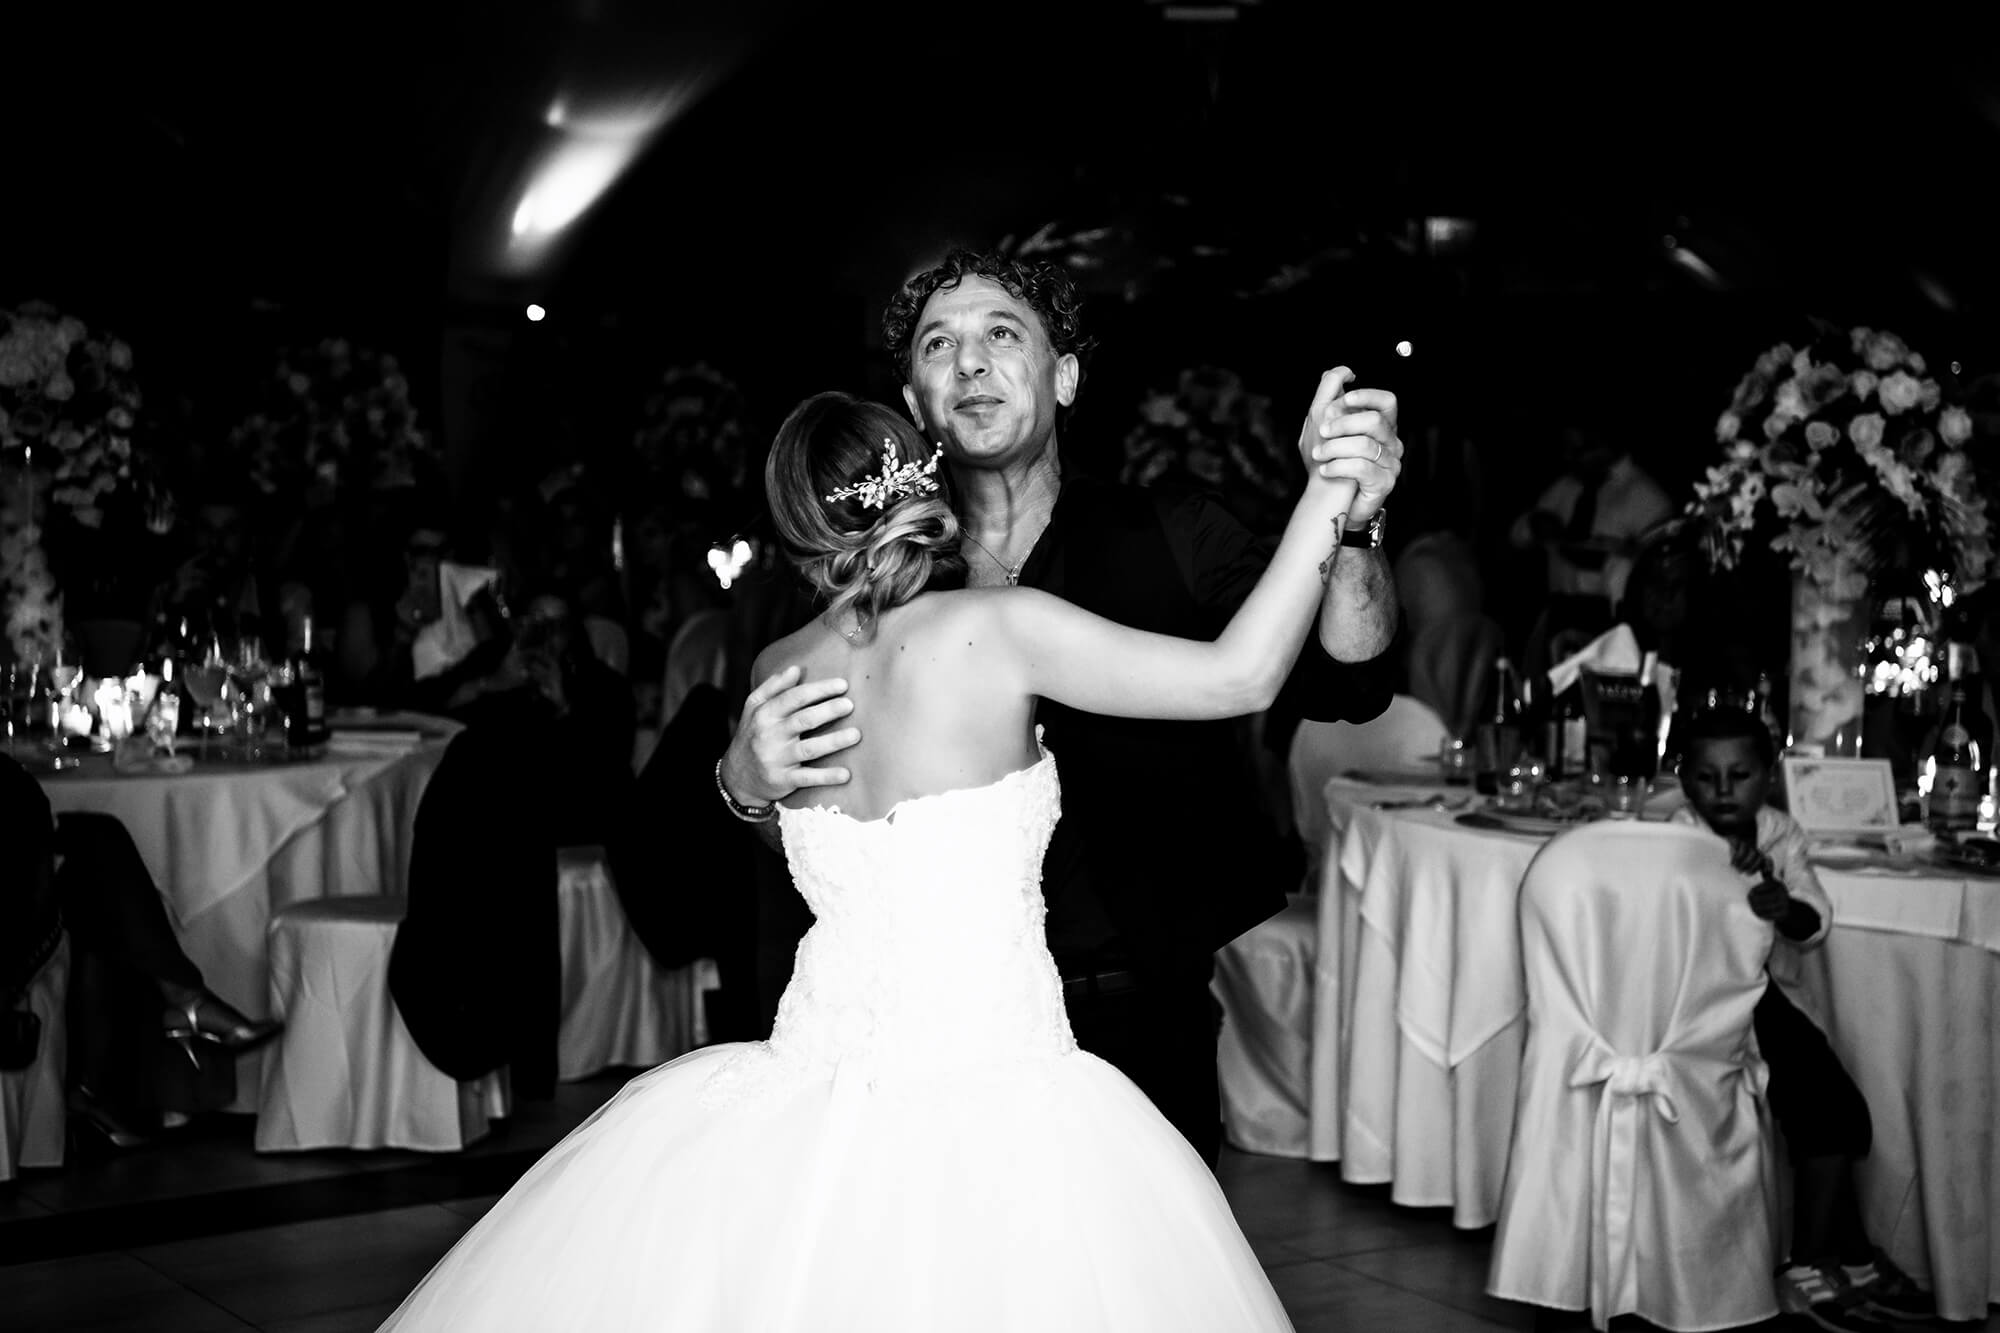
{"x": 892, "y": 483}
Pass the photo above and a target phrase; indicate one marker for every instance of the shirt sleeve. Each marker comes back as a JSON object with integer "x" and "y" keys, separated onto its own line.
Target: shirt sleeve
{"x": 1221, "y": 561}
{"x": 1781, "y": 839}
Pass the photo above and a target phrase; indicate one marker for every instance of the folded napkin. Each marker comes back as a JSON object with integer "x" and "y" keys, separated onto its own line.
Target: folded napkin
{"x": 1615, "y": 650}
{"x": 374, "y": 742}
{"x": 441, "y": 644}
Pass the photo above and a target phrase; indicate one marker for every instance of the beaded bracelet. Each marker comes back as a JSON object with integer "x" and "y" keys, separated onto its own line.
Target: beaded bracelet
{"x": 749, "y": 814}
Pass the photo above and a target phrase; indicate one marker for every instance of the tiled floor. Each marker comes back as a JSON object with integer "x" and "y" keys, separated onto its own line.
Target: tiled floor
{"x": 1341, "y": 1257}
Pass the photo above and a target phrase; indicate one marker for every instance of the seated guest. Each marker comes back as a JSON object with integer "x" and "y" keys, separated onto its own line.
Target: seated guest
{"x": 1835, "y": 1278}
{"x": 218, "y": 586}
{"x": 148, "y": 1042}
{"x": 1589, "y": 523}
{"x": 437, "y": 642}
{"x": 1446, "y": 640}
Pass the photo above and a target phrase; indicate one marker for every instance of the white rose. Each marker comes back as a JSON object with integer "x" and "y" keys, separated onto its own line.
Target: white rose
{"x": 1819, "y": 434}
{"x": 1885, "y": 350}
{"x": 1900, "y": 392}
{"x": 1866, "y": 430}
{"x": 1726, "y": 427}
{"x": 1917, "y": 363}
{"x": 1955, "y": 426}
{"x": 1929, "y": 396}
{"x": 1802, "y": 363}
{"x": 1864, "y": 383}
{"x": 1791, "y": 400}
{"x": 60, "y": 387}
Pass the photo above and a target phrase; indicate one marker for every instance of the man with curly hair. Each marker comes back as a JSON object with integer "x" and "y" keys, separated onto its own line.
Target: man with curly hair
{"x": 1162, "y": 856}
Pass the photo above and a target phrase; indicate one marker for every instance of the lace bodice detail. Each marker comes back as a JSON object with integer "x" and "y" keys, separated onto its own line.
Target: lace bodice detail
{"x": 927, "y": 955}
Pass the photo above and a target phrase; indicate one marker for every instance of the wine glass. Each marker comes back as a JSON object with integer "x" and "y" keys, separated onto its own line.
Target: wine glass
{"x": 249, "y": 675}
{"x": 18, "y": 684}
{"x": 205, "y": 675}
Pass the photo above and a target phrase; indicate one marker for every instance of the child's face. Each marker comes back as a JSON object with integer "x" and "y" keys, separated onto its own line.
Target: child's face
{"x": 1726, "y": 782}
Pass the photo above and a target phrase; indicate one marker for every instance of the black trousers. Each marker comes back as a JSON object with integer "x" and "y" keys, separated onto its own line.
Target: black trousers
{"x": 1812, "y": 1097}
{"x": 1163, "y": 1037}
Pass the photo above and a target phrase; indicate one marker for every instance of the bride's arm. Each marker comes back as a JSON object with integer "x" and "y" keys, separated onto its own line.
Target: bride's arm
{"x": 1060, "y": 651}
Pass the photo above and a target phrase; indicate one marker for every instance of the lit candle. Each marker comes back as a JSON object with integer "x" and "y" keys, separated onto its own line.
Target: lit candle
{"x": 113, "y": 713}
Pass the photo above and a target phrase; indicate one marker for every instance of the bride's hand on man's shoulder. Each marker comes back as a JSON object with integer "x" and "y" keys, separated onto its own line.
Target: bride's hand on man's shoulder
{"x": 1351, "y": 433}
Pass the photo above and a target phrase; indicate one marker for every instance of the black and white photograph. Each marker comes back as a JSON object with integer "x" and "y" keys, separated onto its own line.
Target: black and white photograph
{"x": 1073, "y": 666}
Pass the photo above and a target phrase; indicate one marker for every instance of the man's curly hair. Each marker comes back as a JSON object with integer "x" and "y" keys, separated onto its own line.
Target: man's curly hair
{"x": 1044, "y": 286}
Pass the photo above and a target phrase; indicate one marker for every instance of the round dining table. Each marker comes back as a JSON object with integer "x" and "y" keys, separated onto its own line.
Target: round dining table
{"x": 1418, "y": 972}
{"x": 229, "y": 843}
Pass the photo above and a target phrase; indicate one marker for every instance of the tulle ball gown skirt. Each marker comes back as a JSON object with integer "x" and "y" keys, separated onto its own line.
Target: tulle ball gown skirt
{"x": 1058, "y": 1200}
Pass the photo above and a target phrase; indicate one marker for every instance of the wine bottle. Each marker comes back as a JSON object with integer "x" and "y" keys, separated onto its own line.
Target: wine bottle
{"x": 1498, "y": 740}
{"x": 1957, "y": 777}
{"x": 1568, "y": 738}
{"x": 303, "y": 693}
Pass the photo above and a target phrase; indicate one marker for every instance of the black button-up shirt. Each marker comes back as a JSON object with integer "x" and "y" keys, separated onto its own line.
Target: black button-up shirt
{"x": 1163, "y": 854}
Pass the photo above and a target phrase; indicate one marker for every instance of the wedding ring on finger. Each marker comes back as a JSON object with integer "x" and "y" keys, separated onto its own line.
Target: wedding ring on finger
{"x": 1378, "y": 452}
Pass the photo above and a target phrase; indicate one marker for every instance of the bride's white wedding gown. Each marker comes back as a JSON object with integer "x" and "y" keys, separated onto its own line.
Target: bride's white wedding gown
{"x": 920, "y": 1145}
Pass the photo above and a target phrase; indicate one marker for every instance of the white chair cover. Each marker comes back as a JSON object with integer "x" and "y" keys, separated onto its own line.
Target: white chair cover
{"x": 346, "y": 1073}
{"x": 1404, "y": 739}
{"x": 1264, "y": 981}
{"x": 619, "y": 1007}
{"x": 32, "y": 1107}
{"x": 1639, "y": 1181}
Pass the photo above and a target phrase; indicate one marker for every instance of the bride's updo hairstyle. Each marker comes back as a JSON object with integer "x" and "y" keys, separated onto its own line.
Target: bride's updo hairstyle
{"x": 855, "y": 556}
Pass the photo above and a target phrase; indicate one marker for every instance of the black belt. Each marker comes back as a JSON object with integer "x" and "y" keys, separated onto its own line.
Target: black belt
{"x": 1097, "y": 984}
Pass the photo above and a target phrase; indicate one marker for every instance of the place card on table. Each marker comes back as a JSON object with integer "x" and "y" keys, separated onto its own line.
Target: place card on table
{"x": 1841, "y": 796}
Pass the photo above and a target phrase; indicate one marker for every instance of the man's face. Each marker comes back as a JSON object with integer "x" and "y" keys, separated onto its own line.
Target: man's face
{"x": 1726, "y": 782}
{"x": 984, "y": 381}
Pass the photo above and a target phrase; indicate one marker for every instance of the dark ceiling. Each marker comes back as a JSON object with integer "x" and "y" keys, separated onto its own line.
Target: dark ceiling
{"x": 355, "y": 165}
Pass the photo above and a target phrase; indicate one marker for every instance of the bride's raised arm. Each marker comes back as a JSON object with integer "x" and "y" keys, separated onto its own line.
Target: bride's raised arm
{"x": 1059, "y": 651}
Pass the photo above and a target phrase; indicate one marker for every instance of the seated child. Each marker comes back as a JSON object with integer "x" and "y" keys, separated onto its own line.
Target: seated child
{"x": 1835, "y": 1277}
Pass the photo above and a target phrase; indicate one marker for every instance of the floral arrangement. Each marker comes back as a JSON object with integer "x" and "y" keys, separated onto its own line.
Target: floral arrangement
{"x": 68, "y": 403}
{"x": 337, "y": 414}
{"x": 1853, "y": 446}
{"x": 1212, "y": 432}
{"x": 68, "y": 407}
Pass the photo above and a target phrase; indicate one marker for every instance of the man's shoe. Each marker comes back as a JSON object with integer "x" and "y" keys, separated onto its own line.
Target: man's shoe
{"x": 1887, "y": 1289}
{"x": 1819, "y": 1296}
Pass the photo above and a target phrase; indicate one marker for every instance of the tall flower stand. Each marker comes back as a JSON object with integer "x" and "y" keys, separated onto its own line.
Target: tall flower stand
{"x": 1829, "y": 637}
{"x": 30, "y": 606}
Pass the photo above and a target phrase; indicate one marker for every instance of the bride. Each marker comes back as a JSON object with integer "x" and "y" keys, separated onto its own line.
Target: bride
{"x": 920, "y": 1144}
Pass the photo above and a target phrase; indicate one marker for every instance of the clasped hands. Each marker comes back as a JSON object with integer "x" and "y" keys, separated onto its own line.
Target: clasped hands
{"x": 1351, "y": 433}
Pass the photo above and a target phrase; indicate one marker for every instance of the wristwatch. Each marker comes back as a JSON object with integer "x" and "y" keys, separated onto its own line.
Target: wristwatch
{"x": 1369, "y": 537}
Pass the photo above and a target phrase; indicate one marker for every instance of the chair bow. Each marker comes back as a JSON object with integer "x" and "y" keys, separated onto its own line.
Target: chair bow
{"x": 1614, "y": 1273}
{"x": 1628, "y": 1076}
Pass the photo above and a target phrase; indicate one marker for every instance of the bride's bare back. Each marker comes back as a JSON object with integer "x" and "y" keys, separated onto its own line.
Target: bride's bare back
{"x": 933, "y": 695}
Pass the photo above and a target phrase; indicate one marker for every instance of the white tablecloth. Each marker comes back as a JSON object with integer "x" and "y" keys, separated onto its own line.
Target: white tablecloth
{"x": 1419, "y": 969}
{"x": 228, "y": 844}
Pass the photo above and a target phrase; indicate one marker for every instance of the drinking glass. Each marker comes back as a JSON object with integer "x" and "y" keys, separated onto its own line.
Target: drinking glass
{"x": 1455, "y": 761}
{"x": 205, "y": 678}
{"x": 18, "y": 685}
{"x": 250, "y": 690}
{"x": 1521, "y": 784}
{"x": 1625, "y": 795}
